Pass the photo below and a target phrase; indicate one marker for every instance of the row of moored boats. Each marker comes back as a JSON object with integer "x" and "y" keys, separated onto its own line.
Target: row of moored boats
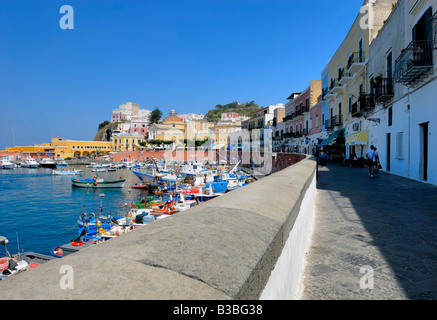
{"x": 172, "y": 188}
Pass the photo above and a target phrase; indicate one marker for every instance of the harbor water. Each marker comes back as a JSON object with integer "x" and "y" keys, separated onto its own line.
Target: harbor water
{"x": 41, "y": 209}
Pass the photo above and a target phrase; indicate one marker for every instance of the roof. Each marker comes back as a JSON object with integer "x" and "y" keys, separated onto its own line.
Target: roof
{"x": 173, "y": 119}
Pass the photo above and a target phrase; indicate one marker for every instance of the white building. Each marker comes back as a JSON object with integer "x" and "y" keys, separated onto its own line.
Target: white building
{"x": 127, "y": 110}
{"x": 402, "y": 72}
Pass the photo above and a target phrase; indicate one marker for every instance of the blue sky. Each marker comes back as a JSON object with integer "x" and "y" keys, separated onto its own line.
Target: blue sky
{"x": 187, "y": 55}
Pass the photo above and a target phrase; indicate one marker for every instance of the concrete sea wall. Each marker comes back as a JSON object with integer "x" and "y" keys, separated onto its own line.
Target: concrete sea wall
{"x": 248, "y": 244}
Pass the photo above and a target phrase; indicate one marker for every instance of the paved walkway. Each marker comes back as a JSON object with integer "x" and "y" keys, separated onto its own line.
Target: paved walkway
{"x": 386, "y": 224}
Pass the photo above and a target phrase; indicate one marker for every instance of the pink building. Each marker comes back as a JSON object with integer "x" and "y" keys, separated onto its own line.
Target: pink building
{"x": 316, "y": 118}
{"x": 119, "y": 117}
{"x": 139, "y": 126}
{"x": 300, "y": 107}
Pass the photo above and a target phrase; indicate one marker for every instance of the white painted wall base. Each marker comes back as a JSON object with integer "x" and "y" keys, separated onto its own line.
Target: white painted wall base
{"x": 286, "y": 280}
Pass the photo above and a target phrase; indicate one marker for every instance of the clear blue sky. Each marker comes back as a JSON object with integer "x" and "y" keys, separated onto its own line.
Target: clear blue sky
{"x": 181, "y": 54}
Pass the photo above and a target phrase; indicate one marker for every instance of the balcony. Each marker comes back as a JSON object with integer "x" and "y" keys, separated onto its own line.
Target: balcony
{"x": 414, "y": 63}
{"x": 356, "y": 112}
{"x": 325, "y": 91}
{"x": 344, "y": 77}
{"x": 335, "y": 87}
{"x": 367, "y": 102}
{"x": 383, "y": 89}
{"x": 356, "y": 62}
{"x": 434, "y": 31}
{"x": 334, "y": 121}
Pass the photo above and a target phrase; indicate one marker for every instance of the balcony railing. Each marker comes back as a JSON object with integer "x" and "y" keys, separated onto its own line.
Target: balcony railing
{"x": 324, "y": 92}
{"x": 367, "y": 102}
{"x": 434, "y": 31}
{"x": 383, "y": 89}
{"x": 334, "y": 121}
{"x": 414, "y": 63}
{"x": 344, "y": 77}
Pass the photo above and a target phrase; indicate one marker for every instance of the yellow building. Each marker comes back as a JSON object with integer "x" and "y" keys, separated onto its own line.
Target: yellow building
{"x": 172, "y": 128}
{"x": 347, "y": 69}
{"x": 129, "y": 142}
{"x": 62, "y": 148}
{"x": 223, "y": 132}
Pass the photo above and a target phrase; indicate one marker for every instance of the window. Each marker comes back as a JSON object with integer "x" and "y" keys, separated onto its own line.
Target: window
{"x": 360, "y": 50}
{"x": 399, "y": 145}
{"x": 390, "y": 65}
{"x": 317, "y": 121}
{"x": 390, "y": 116}
{"x": 350, "y": 104}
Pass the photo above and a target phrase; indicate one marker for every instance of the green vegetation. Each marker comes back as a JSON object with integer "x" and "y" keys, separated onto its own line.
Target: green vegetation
{"x": 155, "y": 116}
{"x": 244, "y": 109}
{"x": 155, "y": 142}
{"x": 103, "y": 124}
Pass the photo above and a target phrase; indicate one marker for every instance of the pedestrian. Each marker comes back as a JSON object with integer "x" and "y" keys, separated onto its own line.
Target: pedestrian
{"x": 372, "y": 159}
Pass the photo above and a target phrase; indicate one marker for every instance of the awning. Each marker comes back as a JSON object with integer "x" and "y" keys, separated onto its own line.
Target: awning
{"x": 330, "y": 139}
{"x": 358, "y": 138}
{"x": 218, "y": 147}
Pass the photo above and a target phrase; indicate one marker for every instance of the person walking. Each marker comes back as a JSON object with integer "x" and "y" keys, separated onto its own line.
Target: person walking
{"x": 373, "y": 160}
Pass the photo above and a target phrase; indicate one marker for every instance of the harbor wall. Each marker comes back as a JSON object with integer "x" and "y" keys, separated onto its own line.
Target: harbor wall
{"x": 248, "y": 244}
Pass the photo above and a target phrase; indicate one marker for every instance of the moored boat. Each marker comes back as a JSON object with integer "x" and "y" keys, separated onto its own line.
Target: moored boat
{"x": 98, "y": 183}
{"x": 66, "y": 172}
{"x": 63, "y": 250}
{"x": 6, "y": 164}
{"x": 48, "y": 163}
{"x": 30, "y": 163}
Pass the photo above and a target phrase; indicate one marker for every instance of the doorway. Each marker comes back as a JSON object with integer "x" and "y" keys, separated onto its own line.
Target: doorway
{"x": 423, "y": 166}
{"x": 388, "y": 151}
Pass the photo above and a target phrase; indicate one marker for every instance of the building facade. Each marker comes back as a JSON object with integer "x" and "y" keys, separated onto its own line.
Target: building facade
{"x": 402, "y": 74}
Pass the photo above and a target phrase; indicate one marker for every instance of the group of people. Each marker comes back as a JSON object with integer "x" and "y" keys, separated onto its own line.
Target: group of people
{"x": 371, "y": 161}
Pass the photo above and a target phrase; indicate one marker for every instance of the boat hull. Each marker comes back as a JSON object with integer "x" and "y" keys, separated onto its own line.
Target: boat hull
{"x": 67, "y": 173}
{"x": 48, "y": 165}
{"x": 30, "y": 165}
{"x": 89, "y": 183}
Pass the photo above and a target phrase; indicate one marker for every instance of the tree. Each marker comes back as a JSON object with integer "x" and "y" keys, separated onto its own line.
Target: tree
{"x": 155, "y": 116}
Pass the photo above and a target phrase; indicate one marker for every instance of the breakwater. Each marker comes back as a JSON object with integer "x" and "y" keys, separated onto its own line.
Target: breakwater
{"x": 247, "y": 244}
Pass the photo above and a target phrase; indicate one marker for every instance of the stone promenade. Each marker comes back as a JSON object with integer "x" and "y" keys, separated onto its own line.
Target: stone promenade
{"x": 374, "y": 238}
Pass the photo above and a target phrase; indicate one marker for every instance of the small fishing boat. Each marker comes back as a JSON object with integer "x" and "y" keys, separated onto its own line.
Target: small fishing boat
{"x": 62, "y": 164}
{"x": 69, "y": 248}
{"x": 6, "y": 164}
{"x": 48, "y": 163}
{"x": 98, "y": 183}
{"x": 140, "y": 186}
{"x": 65, "y": 172}
{"x": 13, "y": 264}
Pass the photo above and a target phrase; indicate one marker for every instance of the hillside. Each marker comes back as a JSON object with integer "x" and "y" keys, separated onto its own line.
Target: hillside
{"x": 101, "y": 132}
{"x": 244, "y": 109}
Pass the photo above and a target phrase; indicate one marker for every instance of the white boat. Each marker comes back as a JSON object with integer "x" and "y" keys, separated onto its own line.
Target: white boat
{"x": 30, "y": 163}
{"x": 47, "y": 163}
{"x": 62, "y": 164}
{"x": 67, "y": 172}
{"x": 6, "y": 164}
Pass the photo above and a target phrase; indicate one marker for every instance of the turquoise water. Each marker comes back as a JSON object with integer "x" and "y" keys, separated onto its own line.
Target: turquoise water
{"x": 42, "y": 208}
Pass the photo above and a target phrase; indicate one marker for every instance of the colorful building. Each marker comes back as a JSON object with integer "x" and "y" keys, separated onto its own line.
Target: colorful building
{"x": 347, "y": 71}
{"x": 63, "y": 148}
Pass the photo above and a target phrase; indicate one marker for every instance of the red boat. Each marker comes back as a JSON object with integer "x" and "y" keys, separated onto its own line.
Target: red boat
{"x": 140, "y": 186}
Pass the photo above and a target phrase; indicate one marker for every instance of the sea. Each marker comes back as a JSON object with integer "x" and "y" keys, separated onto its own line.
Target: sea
{"x": 39, "y": 210}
